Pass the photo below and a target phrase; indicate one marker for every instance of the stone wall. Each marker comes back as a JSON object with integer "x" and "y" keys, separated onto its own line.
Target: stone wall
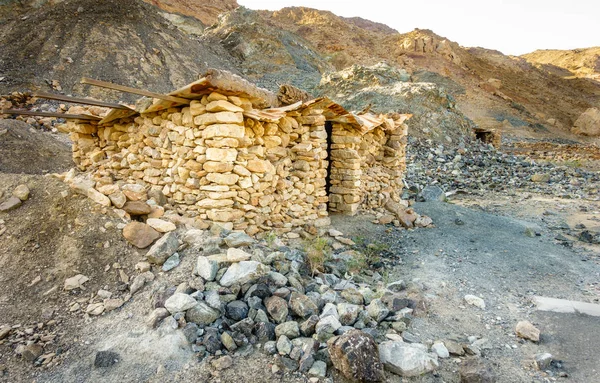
{"x": 367, "y": 169}
{"x": 208, "y": 161}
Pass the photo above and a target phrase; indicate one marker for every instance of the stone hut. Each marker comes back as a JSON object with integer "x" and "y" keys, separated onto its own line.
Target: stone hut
{"x": 228, "y": 152}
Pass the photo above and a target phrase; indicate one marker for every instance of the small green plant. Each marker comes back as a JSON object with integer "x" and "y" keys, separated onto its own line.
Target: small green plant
{"x": 357, "y": 263}
{"x": 375, "y": 249}
{"x": 317, "y": 252}
{"x": 270, "y": 239}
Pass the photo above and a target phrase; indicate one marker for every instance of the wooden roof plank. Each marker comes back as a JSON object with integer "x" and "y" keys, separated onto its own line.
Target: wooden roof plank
{"x": 77, "y": 100}
{"x": 51, "y": 114}
{"x": 141, "y": 92}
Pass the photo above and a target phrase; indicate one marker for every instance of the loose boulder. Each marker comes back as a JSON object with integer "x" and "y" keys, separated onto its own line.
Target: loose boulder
{"x": 139, "y": 234}
{"x": 356, "y": 356}
{"x": 407, "y": 359}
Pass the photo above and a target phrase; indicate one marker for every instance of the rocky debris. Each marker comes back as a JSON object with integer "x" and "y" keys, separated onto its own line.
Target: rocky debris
{"x": 440, "y": 350}
{"x": 21, "y": 192}
{"x": 4, "y": 332}
{"x": 237, "y": 298}
{"x": 238, "y": 239}
{"x": 527, "y": 330}
{"x": 179, "y": 302}
{"x": 31, "y": 352}
{"x": 106, "y": 359}
{"x": 165, "y": 247}
{"x": 407, "y": 359}
{"x": 139, "y": 234}
{"x": 356, "y": 355}
{"x": 243, "y": 272}
{"x": 473, "y": 166}
{"x": 171, "y": 262}
{"x": 10, "y": 204}
{"x": 207, "y": 268}
{"x": 475, "y": 301}
{"x": 75, "y": 282}
{"x": 474, "y": 370}
{"x": 588, "y": 236}
{"x": 432, "y": 193}
{"x": 542, "y": 361}
{"x": 160, "y": 225}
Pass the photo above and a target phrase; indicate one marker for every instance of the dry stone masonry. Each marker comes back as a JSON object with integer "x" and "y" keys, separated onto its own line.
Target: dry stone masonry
{"x": 225, "y": 158}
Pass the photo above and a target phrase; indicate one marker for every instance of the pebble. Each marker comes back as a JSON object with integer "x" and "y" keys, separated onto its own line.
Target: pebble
{"x": 526, "y": 330}
{"x": 10, "y": 204}
{"x": 171, "y": 262}
{"x": 21, "y": 192}
{"x": 475, "y": 301}
{"x": 284, "y": 345}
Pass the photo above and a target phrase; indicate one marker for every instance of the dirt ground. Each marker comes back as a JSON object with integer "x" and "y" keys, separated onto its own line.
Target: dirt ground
{"x": 57, "y": 234}
{"x": 490, "y": 256}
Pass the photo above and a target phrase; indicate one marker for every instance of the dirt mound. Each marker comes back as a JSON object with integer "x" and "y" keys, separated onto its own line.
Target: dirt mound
{"x": 29, "y": 151}
{"x": 48, "y": 239}
{"x": 130, "y": 43}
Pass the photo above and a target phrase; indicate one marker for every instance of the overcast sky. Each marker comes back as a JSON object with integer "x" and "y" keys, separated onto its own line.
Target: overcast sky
{"x": 510, "y": 26}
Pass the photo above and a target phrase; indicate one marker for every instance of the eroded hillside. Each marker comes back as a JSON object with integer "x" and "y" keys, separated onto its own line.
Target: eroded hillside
{"x": 576, "y": 62}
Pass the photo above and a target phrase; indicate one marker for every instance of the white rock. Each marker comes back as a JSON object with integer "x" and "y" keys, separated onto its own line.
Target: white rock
{"x": 98, "y": 197}
{"x": 475, "y": 301}
{"x": 179, "y": 302}
{"x": 406, "y": 359}
{"x": 243, "y": 272}
{"x": 207, "y": 268}
{"x": 160, "y": 225}
{"x": 75, "y": 282}
{"x": 440, "y": 349}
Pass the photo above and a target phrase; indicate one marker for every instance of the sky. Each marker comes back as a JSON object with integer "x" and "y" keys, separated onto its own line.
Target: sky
{"x": 511, "y": 26}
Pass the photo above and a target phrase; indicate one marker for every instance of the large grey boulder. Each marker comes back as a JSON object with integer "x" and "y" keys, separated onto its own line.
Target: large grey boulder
{"x": 163, "y": 248}
{"x": 407, "y": 359}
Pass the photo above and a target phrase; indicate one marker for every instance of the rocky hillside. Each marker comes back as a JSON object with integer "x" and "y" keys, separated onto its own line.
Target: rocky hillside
{"x": 576, "y": 62}
{"x": 205, "y": 11}
{"x": 162, "y": 44}
{"x": 494, "y": 90}
{"x": 130, "y": 43}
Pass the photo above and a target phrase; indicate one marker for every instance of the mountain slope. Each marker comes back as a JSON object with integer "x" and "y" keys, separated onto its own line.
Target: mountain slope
{"x": 577, "y": 62}
{"x": 492, "y": 89}
{"x": 126, "y": 42}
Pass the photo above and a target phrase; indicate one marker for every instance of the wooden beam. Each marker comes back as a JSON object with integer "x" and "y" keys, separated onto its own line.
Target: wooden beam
{"x": 141, "y": 92}
{"x": 50, "y": 114}
{"x": 76, "y": 100}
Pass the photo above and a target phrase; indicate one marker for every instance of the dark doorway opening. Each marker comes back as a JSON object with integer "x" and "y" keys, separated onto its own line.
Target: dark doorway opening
{"x": 329, "y": 131}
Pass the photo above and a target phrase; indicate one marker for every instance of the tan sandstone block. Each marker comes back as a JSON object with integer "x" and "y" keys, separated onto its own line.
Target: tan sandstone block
{"x": 222, "y": 106}
{"x": 223, "y": 179}
{"x": 218, "y": 154}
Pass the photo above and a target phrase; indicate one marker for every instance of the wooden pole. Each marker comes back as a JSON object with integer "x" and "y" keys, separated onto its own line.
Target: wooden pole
{"x": 76, "y": 100}
{"x": 141, "y": 92}
{"x": 50, "y": 114}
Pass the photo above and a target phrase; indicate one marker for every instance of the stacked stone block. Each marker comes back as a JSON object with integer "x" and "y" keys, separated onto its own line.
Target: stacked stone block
{"x": 254, "y": 174}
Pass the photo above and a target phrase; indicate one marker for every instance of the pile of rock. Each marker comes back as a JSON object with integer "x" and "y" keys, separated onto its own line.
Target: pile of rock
{"x": 244, "y": 295}
{"x": 19, "y": 195}
{"x": 476, "y": 167}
